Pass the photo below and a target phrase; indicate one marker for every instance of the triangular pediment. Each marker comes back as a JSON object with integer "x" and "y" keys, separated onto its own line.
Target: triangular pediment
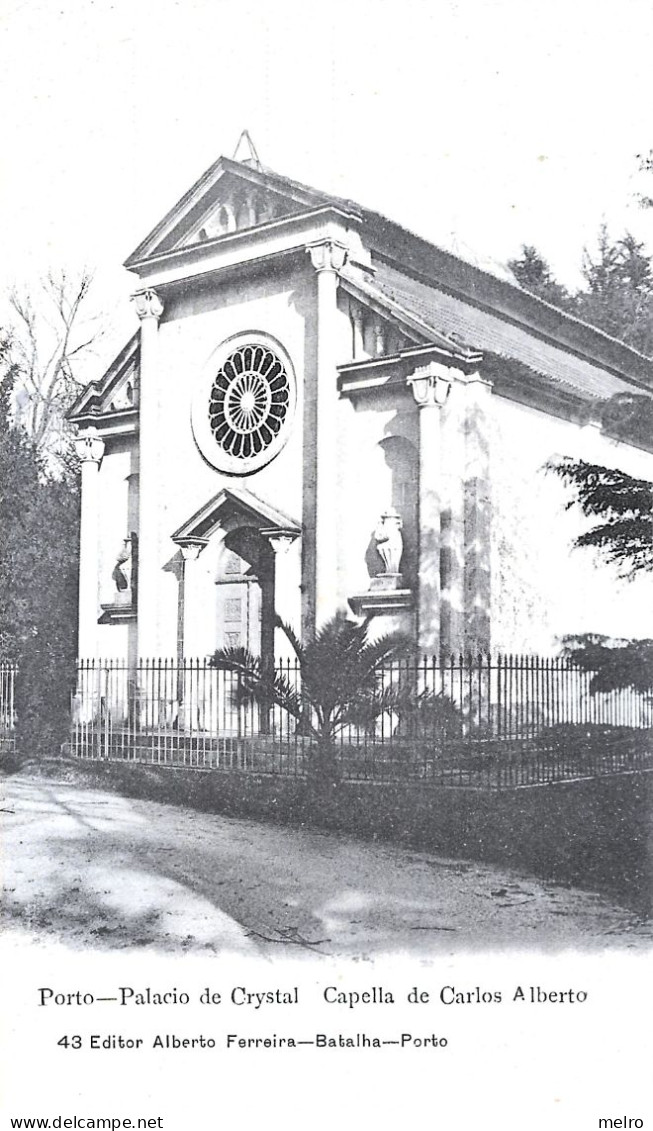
{"x": 235, "y": 505}
{"x": 230, "y": 197}
{"x": 116, "y": 392}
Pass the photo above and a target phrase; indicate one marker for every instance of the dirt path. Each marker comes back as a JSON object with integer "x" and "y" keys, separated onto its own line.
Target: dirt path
{"x": 95, "y": 869}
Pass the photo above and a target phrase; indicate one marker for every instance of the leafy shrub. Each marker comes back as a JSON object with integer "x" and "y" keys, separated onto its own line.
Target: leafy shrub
{"x": 428, "y": 715}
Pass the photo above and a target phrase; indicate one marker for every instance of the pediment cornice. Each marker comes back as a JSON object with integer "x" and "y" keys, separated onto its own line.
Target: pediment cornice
{"x": 235, "y": 503}
{"x": 112, "y": 402}
{"x": 229, "y": 197}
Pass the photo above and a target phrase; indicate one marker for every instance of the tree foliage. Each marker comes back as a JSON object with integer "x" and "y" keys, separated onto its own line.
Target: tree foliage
{"x": 614, "y": 664}
{"x": 622, "y": 506}
{"x": 617, "y": 292}
{"x": 534, "y": 274}
{"x": 628, "y": 417}
{"x": 38, "y": 576}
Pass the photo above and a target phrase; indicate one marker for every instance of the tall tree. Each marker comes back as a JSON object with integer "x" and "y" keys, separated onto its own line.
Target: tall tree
{"x": 617, "y": 294}
{"x": 534, "y": 274}
{"x": 621, "y": 509}
{"x": 53, "y": 333}
{"x": 38, "y": 576}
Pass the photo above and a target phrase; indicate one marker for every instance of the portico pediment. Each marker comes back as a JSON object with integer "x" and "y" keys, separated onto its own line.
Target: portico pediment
{"x": 230, "y": 197}
{"x": 233, "y": 507}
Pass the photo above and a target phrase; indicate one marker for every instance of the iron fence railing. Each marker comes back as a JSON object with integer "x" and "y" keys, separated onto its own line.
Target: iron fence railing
{"x": 510, "y": 720}
{"x": 7, "y": 705}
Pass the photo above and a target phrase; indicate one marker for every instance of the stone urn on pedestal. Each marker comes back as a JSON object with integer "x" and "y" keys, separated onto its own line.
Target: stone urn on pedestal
{"x": 390, "y": 547}
{"x": 385, "y": 597}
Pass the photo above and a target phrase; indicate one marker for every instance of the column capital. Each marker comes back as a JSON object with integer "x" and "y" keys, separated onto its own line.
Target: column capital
{"x": 191, "y": 548}
{"x": 431, "y": 384}
{"x": 327, "y": 255}
{"x": 279, "y": 539}
{"x": 89, "y": 447}
{"x": 147, "y": 304}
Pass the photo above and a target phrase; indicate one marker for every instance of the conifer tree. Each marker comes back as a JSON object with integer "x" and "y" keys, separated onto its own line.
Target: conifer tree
{"x": 39, "y": 529}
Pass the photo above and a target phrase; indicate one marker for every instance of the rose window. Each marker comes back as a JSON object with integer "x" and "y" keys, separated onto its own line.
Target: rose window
{"x": 249, "y": 401}
{"x": 243, "y": 403}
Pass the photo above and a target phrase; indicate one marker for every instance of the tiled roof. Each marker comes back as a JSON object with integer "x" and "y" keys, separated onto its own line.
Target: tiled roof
{"x": 467, "y": 325}
{"x": 489, "y": 288}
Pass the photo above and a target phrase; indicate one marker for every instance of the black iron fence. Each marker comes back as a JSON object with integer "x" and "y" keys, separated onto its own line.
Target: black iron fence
{"x": 505, "y": 721}
{"x": 7, "y": 706}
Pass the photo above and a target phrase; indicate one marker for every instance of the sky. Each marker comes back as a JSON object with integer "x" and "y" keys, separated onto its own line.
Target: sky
{"x": 479, "y": 125}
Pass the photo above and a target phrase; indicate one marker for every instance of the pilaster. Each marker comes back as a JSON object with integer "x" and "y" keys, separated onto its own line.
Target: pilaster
{"x": 431, "y": 386}
{"x": 90, "y": 450}
{"x": 320, "y": 564}
{"x": 452, "y": 521}
{"x": 149, "y": 308}
{"x": 478, "y": 514}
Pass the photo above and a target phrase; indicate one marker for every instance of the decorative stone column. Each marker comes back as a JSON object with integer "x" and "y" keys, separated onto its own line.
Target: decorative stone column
{"x": 430, "y": 385}
{"x": 90, "y": 450}
{"x": 187, "y": 691}
{"x": 321, "y": 559}
{"x": 358, "y": 328}
{"x": 190, "y": 552}
{"x": 284, "y": 598}
{"x": 149, "y": 309}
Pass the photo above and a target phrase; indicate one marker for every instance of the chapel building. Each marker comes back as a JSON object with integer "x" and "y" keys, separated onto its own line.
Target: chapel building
{"x": 319, "y": 410}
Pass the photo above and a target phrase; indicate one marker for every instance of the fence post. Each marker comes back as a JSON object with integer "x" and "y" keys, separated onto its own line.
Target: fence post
{"x": 104, "y": 701}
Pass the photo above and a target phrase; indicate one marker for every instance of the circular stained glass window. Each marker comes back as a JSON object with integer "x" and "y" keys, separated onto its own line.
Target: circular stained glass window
{"x": 243, "y": 406}
{"x": 249, "y": 401}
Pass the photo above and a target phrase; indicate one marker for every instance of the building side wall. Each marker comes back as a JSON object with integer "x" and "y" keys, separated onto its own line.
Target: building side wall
{"x": 542, "y": 588}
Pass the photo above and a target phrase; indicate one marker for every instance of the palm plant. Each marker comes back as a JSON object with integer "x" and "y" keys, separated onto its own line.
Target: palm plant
{"x": 340, "y": 683}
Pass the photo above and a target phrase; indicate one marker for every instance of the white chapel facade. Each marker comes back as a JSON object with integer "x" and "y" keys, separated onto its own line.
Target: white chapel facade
{"x": 320, "y": 411}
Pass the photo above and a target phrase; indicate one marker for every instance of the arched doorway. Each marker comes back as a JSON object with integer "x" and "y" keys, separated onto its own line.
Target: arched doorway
{"x": 245, "y": 601}
{"x": 245, "y": 593}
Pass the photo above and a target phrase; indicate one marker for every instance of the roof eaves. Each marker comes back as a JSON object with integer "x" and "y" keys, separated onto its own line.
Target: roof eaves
{"x": 402, "y": 313}
{"x": 464, "y": 280}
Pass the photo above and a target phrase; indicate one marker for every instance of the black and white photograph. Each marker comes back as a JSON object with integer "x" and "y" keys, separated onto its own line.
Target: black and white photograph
{"x": 326, "y": 564}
